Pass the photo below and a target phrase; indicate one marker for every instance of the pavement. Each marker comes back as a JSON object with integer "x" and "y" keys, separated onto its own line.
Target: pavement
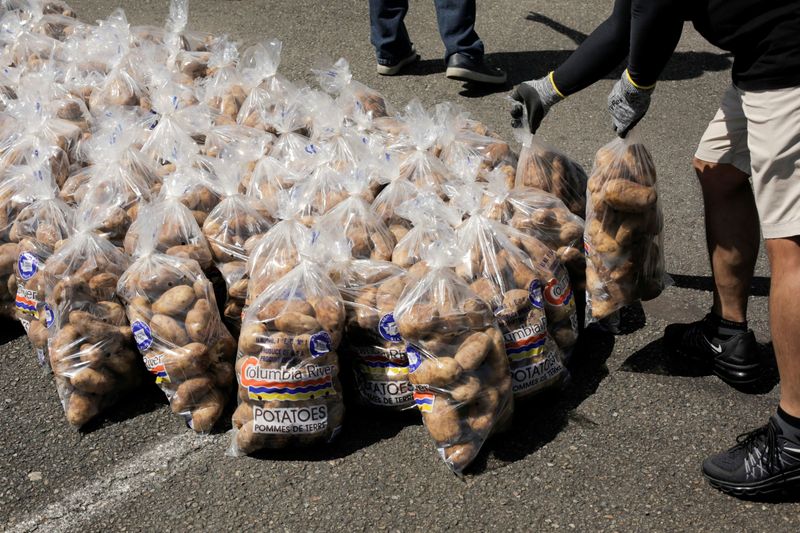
{"x": 619, "y": 451}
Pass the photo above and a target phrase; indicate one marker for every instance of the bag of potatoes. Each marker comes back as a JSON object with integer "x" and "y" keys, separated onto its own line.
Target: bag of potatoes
{"x": 431, "y": 220}
{"x": 178, "y": 330}
{"x": 506, "y": 278}
{"x": 354, "y": 220}
{"x": 321, "y": 191}
{"x": 549, "y": 170}
{"x": 274, "y": 255}
{"x": 354, "y": 98}
{"x": 269, "y": 182}
{"x": 177, "y": 231}
{"x": 40, "y": 228}
{"x": 287, "y": 368}
{"x": 542, "y": 216}
{"x": 624, "y": 230}
{"x": 397, "y": 192}
{"x": 90, "y": 342}
{"x": 232, "y": 229}
{"x": 457, "y": 360}
{"x": 372, "y": 346}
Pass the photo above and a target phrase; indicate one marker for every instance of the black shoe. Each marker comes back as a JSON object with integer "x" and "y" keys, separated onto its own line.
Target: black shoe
{"x": 464, "y": 68}
{"x": 735, "y": 360}
{"x": 391, "y": 70}
{"x": 763, "y": 462}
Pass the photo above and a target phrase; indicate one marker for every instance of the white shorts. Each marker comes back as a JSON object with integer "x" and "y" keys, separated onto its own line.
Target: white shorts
{"x": 758, "y": 132}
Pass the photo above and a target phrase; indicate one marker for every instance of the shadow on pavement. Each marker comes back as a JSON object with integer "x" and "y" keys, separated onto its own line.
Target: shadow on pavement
{"x": 540, "y": 419}
{"x": 361, "y": 430}
{"x": 655, "y": 358}
{"x": 144, "y": 399}
{"x": 759, "y": 287}
{"x": 10, "y": 330}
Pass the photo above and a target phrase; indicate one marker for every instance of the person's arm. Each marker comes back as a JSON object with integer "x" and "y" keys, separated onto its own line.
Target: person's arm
{"x": 656, "y": 27}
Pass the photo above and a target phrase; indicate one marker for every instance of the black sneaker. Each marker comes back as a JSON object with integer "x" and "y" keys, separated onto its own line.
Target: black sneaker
{"x": 391, "y": 70}
{"x": 735, "y": 360}
{"x": 763, "y": 462}
{"x": 464, "y": 68}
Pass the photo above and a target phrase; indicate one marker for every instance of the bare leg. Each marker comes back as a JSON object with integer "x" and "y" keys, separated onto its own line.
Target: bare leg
{"x": 784, "y": 317}
{"x": 732, "y": 235}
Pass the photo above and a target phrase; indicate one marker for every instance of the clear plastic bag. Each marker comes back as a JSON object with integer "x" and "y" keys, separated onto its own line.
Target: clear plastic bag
{"x": 505, "y": 277}
{"x": 223, "y": 90}
{"x": 232, "y": 230}
{"x": 16, "y": 193}
{"x": 624, "y": 230}
{"x": 545, "y": 168}
{"x": 457, "y": 360}
{"x": 274, "y": 255}
{"x": 177, "y": 231}
{"x": 90, "y": 342}
{"x": 354, "y": 221}
{"x": 397, "y": 192}
{"x": 543, "y": 216}
{"x": 269, "y": 182}
{"x": 39, "y": 228}
{"x": 288, "y": 368}
{"x": 431, "y": 220}
{"x": 355, "y": 98}
{"x": 317, "y": 194}
{"x": 372, "y": 346}
{"x": 178, "y": 331}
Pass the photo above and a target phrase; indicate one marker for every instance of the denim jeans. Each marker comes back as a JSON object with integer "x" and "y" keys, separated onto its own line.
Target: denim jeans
{"x": 390, "y": 38}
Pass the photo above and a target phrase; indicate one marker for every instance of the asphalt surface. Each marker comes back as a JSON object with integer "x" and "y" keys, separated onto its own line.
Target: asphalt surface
{"x": 619, "y": 451}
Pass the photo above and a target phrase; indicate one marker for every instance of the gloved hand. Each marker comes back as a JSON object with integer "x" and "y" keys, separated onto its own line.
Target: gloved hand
{"x": 628, "y": 102}
{"x": 536, "y": 97}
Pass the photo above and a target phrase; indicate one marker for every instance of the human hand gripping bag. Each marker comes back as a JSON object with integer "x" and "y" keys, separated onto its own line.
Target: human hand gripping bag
{"x": 545, "y": 168}
{"x": 543, "y": 216}
{"x": 372, "y": 347}
{"x": 232, "y": 230}
{"x": 40, "y": 229}
{"x": 287, "y": 369}
{"x": 90, "y": 341}
{"x": 624, "y": 229}
{"x": 505, "y": 277}
{"x": 178, "y": 330}
{"x": 457, "y": 360}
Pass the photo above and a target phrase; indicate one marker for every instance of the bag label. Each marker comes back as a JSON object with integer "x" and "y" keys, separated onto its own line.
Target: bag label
{"x": 424, "y": 400}
{"x": 27, "y": 302}
{"x": 154, "y": 364}
{"x": 533, "y": 360}
{"x": 308, "y": 382}
{"x": 385, "y": 393}
{"x": 142, "y": 335}
{"x": 388, "y": 329}
{"x": 536, "y": 376}
{"x": 27, "y": 265}
{"x": 292, "y": 420}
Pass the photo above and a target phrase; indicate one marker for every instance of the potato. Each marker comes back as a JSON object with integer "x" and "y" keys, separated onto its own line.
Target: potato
{"x": 467, "y": 389}
{"x": 186, "y": 362}
{"x": 438, "y": 372}
{"x": 190, "y": 393}
{"x": 103, "y": 286}
{"x": 93, "y": 381}
{"x": 168, "y": 330}
{"x": 207, "y": 412}
{"x": 473, "y": 351}
{"x": 419, "y": 321}
{"x": 443, "y": 422}
{"x": 459, "y": 456}
{"x": 81, "y": 408}
{"x": 242, "y": 415}
{"x": 198, "y": 321}
{"x": 175, "y": 302}
{"x": 296, "y": 323}
{"x": 628, "y": 196}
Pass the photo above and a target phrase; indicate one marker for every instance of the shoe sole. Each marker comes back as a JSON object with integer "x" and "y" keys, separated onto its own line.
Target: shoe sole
{"x": 391, "y": 70}
{"x": 462, "y": 74}
{"x": 780, "y": 483}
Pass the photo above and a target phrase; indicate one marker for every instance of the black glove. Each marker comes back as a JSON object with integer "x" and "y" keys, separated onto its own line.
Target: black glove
{"x": 536, "y": 97}
{"x": 628, "y": 103}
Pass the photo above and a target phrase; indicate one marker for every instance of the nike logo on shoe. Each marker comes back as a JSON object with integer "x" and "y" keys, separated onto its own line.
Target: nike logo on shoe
{"x": 717, "y": 348}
